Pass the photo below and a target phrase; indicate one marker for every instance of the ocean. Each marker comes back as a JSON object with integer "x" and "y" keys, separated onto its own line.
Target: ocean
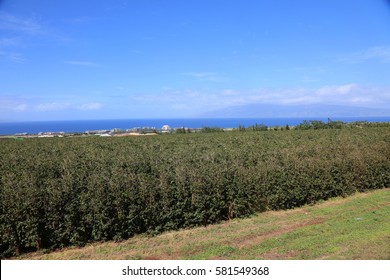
{"x": 34, "y": 127}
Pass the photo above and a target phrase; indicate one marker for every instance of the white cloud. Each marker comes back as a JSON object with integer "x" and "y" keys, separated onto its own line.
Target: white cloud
{"x": 17, "y": 57}
{"x": 200, "y": 74}
{"x": 194, "y": 102}
{"x": 361, "y": 100}
{"x": 20, "y": 107}
{"x": 340, "y": 89}
{"x": 12, "y": 104}
{"x": 205, "y": 76}
{"x": 60, "y": 106}
{"x": 18, "y": 29}
{"x": 348, "y": 94}
{"x": 207, "y": 100}
{"x": 7, "y": 42}
{"x": 13, "y": 56}
{"x": 306, "y": 99}
{"x": 381, "y": 53}
{"x": 18, "y": 24}
{"x": 5, "y": 45}
{"x": 82, "y": 63}
{"x": 89, "y": 106}
{"x": 81, "y": 20}
{"x": 230, "y": 92}
{"x": 53, "y": 106}
{"x": 345, "y": 89}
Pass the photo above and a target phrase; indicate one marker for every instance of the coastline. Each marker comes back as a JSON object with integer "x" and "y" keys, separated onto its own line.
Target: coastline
{"x": 81, "y": 126}
{"x": 166, "y": 129}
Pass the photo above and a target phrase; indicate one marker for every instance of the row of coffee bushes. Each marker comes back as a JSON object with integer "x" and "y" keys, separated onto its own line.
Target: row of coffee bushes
{"x": 70, "y": 191}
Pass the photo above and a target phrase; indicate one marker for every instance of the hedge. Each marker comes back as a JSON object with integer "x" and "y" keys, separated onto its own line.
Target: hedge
{"x": 62, "y": 192}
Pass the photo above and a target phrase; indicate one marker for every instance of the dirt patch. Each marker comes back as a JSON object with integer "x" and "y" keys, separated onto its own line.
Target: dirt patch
{"x": 272, "y": 255}
{"x": 251, "y": 240}
{"x": 151, "y": 258}
{"x": 286, "y": 213}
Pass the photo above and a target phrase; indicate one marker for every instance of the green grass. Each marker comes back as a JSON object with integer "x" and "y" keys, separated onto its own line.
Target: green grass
{"x": 356, "y": 227}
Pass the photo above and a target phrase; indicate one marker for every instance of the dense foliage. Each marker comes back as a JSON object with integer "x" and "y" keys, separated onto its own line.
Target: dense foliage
{"x": 69, "y": 191}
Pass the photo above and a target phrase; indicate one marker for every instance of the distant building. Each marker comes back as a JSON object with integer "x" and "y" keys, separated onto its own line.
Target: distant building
{"x": 165, "y": 129}
{"x": 51, "y": 134}
{"x": 145, "y": 129}
{"x": 97, "y": 131}
{"x": 133, "y": 130}
{"x": 115, "y": 130}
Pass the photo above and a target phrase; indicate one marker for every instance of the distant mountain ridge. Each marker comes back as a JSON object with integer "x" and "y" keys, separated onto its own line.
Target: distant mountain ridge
{"x": 296, "y": 111}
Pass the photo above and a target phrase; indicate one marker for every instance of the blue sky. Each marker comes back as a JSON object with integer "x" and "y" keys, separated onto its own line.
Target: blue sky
{"x": 114, "y": 59}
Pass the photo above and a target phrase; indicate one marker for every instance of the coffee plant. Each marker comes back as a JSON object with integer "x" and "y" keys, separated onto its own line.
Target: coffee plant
{"x": 62, "y": 192}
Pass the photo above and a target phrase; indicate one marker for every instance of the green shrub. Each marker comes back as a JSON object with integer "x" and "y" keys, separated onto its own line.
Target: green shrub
{"x": 70, "y": 191}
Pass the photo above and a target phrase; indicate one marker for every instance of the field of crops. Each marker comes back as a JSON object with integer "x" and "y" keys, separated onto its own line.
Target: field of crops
{"x": 60, "y": 192}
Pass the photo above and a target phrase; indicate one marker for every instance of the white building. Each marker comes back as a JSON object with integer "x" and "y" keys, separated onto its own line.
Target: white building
{"x": 165, "y": 129}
